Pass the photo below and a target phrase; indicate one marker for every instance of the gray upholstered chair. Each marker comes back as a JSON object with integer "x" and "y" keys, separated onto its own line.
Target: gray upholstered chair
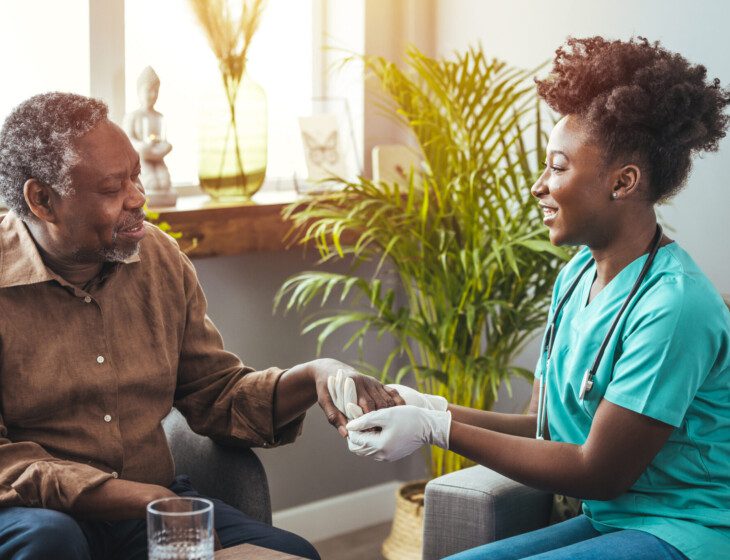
{"x": 232, "y": 474}
{"x": 476, "y": 506}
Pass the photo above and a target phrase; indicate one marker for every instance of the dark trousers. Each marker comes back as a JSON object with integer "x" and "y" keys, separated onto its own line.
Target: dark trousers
{"x": 35, "y": 533}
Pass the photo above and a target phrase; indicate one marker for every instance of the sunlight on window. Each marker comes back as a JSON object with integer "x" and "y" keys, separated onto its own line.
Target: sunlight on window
{"x": 164, "y": 34}
{"x": 40, "y": 54}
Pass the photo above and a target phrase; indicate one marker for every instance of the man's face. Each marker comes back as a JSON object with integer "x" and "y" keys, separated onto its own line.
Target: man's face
{"x": 102, "y": 220}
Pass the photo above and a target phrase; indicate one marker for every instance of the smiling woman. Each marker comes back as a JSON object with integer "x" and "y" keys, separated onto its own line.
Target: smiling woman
{"x": 636, "y": 363}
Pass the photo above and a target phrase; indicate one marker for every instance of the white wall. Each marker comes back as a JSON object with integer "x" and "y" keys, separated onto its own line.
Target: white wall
{"x": 527, "y": 32}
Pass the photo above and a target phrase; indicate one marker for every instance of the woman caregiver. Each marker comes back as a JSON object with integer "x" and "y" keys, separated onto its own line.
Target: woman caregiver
{"x": 633, "y": 384}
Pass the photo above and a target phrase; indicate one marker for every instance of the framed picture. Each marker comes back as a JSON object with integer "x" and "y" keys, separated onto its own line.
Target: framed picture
{"x": 328, "y": 144}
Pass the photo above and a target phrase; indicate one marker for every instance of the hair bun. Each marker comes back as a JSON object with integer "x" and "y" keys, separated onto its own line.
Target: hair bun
{"x": 640, "y": 99}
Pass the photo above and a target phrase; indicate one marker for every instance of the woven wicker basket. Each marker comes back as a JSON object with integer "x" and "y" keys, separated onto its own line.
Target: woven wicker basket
{"x": 406, "y": 537}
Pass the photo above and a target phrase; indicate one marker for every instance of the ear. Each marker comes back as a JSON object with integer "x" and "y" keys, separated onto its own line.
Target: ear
{"x": 626, "y": 182}
{"x": 39, "y": 198}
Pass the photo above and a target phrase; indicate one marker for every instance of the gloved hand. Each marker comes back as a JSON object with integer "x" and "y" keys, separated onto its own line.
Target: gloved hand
{"x": 344, "y": 395}
{"x": 421, "y": 400}
{"x": 402, "y": 430}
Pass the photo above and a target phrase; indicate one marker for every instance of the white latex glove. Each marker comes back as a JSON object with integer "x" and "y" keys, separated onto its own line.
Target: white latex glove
{"x": 421, "y": 400}
{"x": 403, "y": 429}
{"x": 344, "y": 395}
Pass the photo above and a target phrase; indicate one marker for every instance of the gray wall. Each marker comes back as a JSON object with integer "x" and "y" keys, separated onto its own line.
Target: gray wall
{"x": 527, "y": 32}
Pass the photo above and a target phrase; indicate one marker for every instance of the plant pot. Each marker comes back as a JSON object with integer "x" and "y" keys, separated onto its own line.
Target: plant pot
{"x": 233, "y": 142}
{"x": 405, "y": 541}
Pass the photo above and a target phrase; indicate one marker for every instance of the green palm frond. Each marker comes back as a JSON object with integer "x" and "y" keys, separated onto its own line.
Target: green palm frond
{"x": 462, "y": 242}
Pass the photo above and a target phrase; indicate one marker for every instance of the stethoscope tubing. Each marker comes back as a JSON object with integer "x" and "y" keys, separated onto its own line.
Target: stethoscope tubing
{"x": 551, "y": 332}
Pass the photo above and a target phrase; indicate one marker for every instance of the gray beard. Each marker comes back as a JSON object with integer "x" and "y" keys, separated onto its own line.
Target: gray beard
{"x": 117, "y": 254}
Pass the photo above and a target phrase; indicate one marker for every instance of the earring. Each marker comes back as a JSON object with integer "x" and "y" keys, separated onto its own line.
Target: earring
{"x": 614, "y": 195}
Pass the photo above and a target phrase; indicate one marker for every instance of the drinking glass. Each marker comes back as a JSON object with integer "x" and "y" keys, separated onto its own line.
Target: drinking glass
{"x": 180, "y": 529}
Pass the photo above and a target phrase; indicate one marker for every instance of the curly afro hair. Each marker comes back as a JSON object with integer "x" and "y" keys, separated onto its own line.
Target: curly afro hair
{"x": 642, "y": 101}
{"x": 37, "y": 141}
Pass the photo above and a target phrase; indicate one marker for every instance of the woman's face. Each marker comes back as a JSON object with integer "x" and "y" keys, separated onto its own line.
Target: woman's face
{"x": 574, "y": 190}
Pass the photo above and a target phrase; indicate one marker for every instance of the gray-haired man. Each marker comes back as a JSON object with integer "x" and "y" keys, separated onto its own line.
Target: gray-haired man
{"x": 103, "y": 328}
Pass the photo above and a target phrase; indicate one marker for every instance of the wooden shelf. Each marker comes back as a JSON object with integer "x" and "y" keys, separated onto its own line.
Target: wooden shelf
{"x": 230, "y": 229}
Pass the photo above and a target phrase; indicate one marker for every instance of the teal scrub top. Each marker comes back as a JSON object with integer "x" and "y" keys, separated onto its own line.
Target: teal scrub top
{"x": 669, "y": 358}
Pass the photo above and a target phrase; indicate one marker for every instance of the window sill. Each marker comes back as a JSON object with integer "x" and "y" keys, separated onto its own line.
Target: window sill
{"x": 213, "y": 229}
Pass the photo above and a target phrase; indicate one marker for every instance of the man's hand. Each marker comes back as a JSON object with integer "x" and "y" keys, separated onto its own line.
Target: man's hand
{"x": 399, "y": 432}
{"x": 118, "y": 499}
{"x": 371, "y": 394}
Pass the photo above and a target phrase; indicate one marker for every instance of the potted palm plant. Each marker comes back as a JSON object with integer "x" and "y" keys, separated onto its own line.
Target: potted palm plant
{"x": 463, "y": 266}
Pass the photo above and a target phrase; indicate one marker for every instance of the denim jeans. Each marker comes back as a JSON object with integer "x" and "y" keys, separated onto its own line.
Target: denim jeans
{"x": 575, "y": 539}
{"x": 36, "y": 533}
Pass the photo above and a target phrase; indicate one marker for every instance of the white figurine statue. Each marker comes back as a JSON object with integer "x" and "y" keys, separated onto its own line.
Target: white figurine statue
{"x": 145, "y": 128}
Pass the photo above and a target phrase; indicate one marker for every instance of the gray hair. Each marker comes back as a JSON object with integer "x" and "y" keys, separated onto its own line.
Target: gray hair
{"x": 37, "y": 141}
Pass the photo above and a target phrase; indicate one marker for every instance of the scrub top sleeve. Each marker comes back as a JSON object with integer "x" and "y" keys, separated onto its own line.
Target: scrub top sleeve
{"x": 665, "y": 353}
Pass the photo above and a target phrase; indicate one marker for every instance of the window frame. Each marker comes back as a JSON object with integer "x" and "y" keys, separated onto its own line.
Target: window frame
{"x": 107, "y": 67}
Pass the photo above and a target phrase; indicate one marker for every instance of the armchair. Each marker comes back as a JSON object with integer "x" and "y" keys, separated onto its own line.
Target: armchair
{"x": 476, "y": 506}
{"x": 232, "y": 474}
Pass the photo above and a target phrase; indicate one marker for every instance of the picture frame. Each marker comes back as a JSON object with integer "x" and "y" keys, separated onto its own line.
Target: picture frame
{"x": 329, "y": 147}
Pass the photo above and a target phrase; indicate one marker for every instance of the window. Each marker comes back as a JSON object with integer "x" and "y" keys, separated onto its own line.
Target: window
{"x": 165, "y": 35}
{"x": 76, "y": 45}
{"x": 40, "y": 54}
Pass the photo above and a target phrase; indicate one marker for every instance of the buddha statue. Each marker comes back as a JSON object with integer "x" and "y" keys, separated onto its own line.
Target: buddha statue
{"x": 146, "y": 130}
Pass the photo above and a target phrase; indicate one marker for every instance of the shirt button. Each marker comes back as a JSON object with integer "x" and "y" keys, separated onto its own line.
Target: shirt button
{"x": 115, "y": 474}
{"x": 87, "y": 299}
{"x": 107, "y": 418}
{"x": 100, "y": 359}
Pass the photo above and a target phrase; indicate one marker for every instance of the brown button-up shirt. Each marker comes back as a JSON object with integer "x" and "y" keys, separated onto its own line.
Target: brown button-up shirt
{"x": 87, "y": 375}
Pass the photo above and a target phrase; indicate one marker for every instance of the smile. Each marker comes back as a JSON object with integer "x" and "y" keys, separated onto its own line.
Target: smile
{"x": 134, "y": 232}
{"x": 548, "y": 212}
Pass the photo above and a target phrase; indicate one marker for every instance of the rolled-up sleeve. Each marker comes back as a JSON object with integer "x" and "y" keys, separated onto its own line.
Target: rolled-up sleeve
{"x": 31, "y": 477}
{"x": 219, "y": 396}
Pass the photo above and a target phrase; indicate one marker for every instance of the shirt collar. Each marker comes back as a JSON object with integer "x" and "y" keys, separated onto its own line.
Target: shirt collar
{"x": 20, "y": 262}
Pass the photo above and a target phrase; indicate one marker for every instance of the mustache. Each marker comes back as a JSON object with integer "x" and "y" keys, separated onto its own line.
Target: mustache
{"x": 131, "y": 220}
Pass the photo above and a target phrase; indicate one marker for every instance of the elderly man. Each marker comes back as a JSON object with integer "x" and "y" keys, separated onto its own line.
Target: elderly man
{"x": 103, "y": 329}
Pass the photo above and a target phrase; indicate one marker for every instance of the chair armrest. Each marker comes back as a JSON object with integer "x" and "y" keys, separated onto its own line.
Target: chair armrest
{"x": 476, "y": 506}
{"x": 232, "y": 474}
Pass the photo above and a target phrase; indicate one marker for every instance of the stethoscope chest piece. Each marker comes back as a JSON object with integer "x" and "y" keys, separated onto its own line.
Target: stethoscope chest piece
{"x": 586, "y": 385}
{"x": 587, "y": 382}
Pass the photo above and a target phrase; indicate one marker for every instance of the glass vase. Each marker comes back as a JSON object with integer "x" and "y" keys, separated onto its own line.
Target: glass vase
{"x": 233, "y": 142}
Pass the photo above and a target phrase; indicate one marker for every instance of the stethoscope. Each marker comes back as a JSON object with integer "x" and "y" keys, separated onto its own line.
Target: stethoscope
{"x": 549, "y": 339}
